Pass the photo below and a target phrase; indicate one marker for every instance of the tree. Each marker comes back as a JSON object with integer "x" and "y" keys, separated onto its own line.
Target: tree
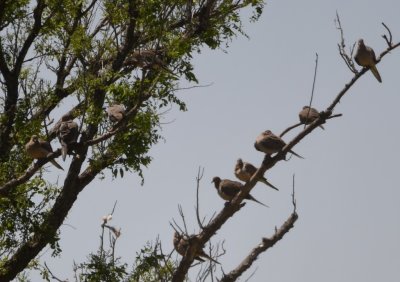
{"x": 89, "y": 55}
{"x": 93, "y": 55}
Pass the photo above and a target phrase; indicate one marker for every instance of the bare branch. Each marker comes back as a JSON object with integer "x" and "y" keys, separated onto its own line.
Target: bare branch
{"x": 313, "y": 86}
{"x": 290, "y": 128}
{"x": 251, "y": 275}
{"x": 53, "y": 276}
{"x": 388, "y": 41}
{"x": 346, "y": 58}
{"x": 200, "y": 174}
{"x": 263, "y": 246}
{"x": 183, "y": 218}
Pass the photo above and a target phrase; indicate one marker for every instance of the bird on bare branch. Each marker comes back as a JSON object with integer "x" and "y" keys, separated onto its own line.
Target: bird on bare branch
{"x": 269, "y": 143}
{"x": 365, "y": 57}
{"x": 244, "y": 171}
{"x": 307, "y": 115}
{"x": 228, "y": 189}
{"x": 181, "y": 244}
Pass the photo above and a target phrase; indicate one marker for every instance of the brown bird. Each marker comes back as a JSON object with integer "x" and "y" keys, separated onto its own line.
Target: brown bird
{"x": 150, "y": 59}
{"x": 269, "y": 143}
{"x": 181, "y": 244}
{"x": 307, "y": 115}
{"x": 116, "y": 112}
{"x": 365, "y": 57}
{"x": 228, "y": 189}
{"x": 67, "y": 135}
{"x": 39, "y": 149}
{"x": 244, "y": 171}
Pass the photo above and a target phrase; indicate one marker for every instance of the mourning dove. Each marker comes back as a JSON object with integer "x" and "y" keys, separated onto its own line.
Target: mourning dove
{"x": 181, "y": 243}
{"x": 67, "y": 134}
{"x": 269, "y": 143}
{"x": 365, "y": 57}
{"x": 151, "y": 59}
{"x": 307, "y": 115}
{"x": 39, "y": 149}
{"x": 244, "y": 171}
{"x": 116, "y": 112}
{"x": 228, "y": 189}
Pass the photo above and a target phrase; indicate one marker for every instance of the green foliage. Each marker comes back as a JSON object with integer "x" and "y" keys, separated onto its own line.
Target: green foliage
{"x": 22, "y": 213}
{"x": 82, "y": 56}
{"x": 102, "y": 267}
{"x": 151, "y": 265}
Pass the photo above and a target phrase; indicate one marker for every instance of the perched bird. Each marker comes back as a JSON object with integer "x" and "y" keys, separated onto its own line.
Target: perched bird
{"x": 39, "y": 149}
{"x": 116, "y": 112}
{"x": 244, "y": 171}
{"x": 269, "y": 143}
{"x": 307, "y": 115}
{"x": 228, "y": 189}
{"x": 67, "y": 134}
{"x": 365, "y": 57}
{"x": 181, "y": 243}
{"x": 151, "y": 59}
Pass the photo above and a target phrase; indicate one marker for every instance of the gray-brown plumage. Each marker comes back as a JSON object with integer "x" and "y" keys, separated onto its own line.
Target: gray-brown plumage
{"x": 228, "y": 189}
{"x": 365, "y": 57}
{"x": 181, "y": 243}
{"x": 39, "y": 149}
{"x": 244, "y": 171}
{"x": 116, "y": 112}
{"x": 269, "y": 143}
{"x": 307, "y": 115}
{"x": 67, "y": 135}
{"x": 150, "y": 59}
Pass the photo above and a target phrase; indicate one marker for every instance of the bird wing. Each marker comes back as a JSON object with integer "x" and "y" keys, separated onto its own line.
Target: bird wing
{"x": 249, "y": 168}
{"x": 46, "y": 146}
{"x": 230, "y": 188}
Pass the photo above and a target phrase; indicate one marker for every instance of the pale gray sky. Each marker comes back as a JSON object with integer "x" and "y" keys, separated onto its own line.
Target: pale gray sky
{"x": 346, "y": 188}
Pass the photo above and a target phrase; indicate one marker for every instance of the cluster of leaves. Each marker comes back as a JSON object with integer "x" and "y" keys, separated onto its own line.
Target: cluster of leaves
{"x": 151, "y": 265}
{"x": 77, "y": 57}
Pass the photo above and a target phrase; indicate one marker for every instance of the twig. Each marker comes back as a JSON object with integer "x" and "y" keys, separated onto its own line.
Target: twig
{"x": 388, "y": 41}
{"x": 115, "y": 205}
{"x": 52, "y": 275}
{"x": 313, "y": 86}
{"x": 194, "y": 86}
{"x": 177, "y": 227}
{"x": 183, "y": 218}
{"x": 293, "y": 196}
{"x": 200, "y": 174}
{"x": 290, "y": 128}
{"x": 346, "y": 58}
{"x": 103, "y": 226}
{"x": 251, "y": 275}
{"x": 265, "y": 244}
{"x": 166, "y": 258}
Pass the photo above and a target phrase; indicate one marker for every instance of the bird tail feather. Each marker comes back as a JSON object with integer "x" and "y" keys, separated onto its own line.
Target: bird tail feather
{"x": 254, "y": 199}
{"x": 208, "y": 257}
{"x": 56, "y": 164}
{"x": 265, "y": 181}
{"x": 375, "y": 72}
{"x": 64, "y": 150}
{"x": 297, "y": 155}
